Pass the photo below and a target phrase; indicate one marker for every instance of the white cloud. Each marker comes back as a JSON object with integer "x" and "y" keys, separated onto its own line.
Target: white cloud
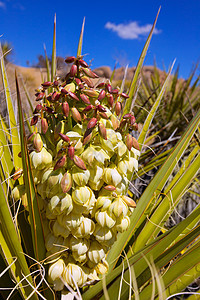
{"x": 131, "y": 31}
{"x": 2, "y": 4}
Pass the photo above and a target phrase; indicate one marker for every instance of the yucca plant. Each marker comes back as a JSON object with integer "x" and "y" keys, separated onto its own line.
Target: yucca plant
{"x": 66, "y": 216}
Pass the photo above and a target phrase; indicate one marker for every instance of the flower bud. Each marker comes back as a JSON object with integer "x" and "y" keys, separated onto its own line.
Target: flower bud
{"x": 129, "y": 141}
{"x": 110, "y": 100}
{"x": 109, "y": 188}
{"x": 102, "y": 131}
{"x": 18, "y": 191}
{"x": 70, "y": 59}
{"x": 64, "y": 137}
{"x": 91, "y": 93}
{"x": 73, "y": 70}
{"x": 75, "y": 114}
{"x": 73, "y": 96}
{"x": 65, "y": 109}
{"x": 129, "y": 201}
{"x": 37, "y": 142}
{"x": 83, "y": 63}
{"x": 34, "y": 120}
{"x": 92, "y": 123}
{"x": 79, "y": 162}
{"x": 89, "y": 73}
{"x": 88, "y": 81}
{"x": 56, "y": 270}
{"x": 118, "y": 108}
{"x": 66, "y": 182}
{"x": 85, "y": 98}
{"x": 102, "y": 267}
{"x": 44, "y": 125}
{"x": 115, "y": 122}
{"x": 60, "y": 162}
{"x": 59, "y": 129}
{"x": 39, "y": 96}
{"x": 70, "y": 152}
{"x": 87, "y": 136}
{"x": 124, "y": 95}
{"x": 136, "y": 144}
{"x": 46, "y": 84}
{"x": 102, "y": 95}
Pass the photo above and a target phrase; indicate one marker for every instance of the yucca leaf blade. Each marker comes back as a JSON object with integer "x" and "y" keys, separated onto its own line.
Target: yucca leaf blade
{"x": 80, "y": 44}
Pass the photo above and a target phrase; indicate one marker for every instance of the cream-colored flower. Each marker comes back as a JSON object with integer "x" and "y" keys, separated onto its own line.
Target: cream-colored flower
{"x": 84, "y": 196}
{"x": 85, "y": 229}
{"x": 102, "y": 267}
{"x": 79, "y": 245}
{"x": 111, "y": 175}
{"x": 102, "y": 234}
{"x": 41, "y": 160}
{"x": 118, "y": 208}
{"x": 70, "y": 221}
{"x": 122, "y": 224}
{"x": 96, "y": 252}
{"x": 56, "y": 270}
{"x": 80, "y": 177}
{"x": 104, "y": 219}
{"x": 74, "y": 275}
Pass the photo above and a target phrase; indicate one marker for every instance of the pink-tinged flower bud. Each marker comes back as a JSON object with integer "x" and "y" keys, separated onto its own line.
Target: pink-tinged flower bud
{"x": 102, "y": 131}
{"x": 78, "y": 81}
{"x": 34, "y": 120}
{"x": 110, "y": 188}
{"x": 64, "y": 137}
{"x": 73, "y": 70}
{"x": 60, "y": 162}
{"x": 124, "y": 95}
{"x": 47, "y": 84}
{"x": 30, "y": 138}
{"x": 102, "y": 95}
{"x": 70, "y": 59}
{"x": 115, "y": 91}
{"x": 88, "y": 81}
{"x": 129, "y": 201}
{"x": 39, "y": 96}
{"x": 79, "y": 162}
{"x": 70, "y": 152}
{"x": 44, "y": 125}
{"x": 109, "y": 87}
{"x": 37, "y": 142}
{"x": 76, "y": 115}
{"x": 85, "y": 98}
{"x": 127, "y": 116}
{"x": 91, "y": 93}
{"x": 101, "y": 85}
{"x": 118, "y": 108}
{"x": 136, "y": 144}
{"x": 18, "y": 173}
{"x": 92, "y": 123}
{"x": 101, "y": 108}
{"x": 55, "y": 96}
{"x": 59, "y": 129}
{"x": 65, "y": 109}
{"x": 103, "y": 115}
{"x": 64, "y": 91}
{"x": 89, "y": 73}
{"x": 88, "y": 108}
{"x": 115, "y": 122}
{"x": 55, "y": 83}
{"x": 73, "y": 96}
{"x": 87, "y": 136}
{"x": 122, "y": 123}
{"x": 66, "y": 182}
{"x": 110, "y": 99}
{"x": 83, "y": 63}
{"x": 129, "y": 141}
{"x": 132, "y": 120}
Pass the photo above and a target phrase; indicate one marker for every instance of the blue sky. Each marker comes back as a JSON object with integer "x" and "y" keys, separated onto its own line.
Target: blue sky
{"x": 114, "y": 30}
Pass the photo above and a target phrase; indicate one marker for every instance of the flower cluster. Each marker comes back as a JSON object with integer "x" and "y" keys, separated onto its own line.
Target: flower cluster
{"x": 80, "y": 162}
